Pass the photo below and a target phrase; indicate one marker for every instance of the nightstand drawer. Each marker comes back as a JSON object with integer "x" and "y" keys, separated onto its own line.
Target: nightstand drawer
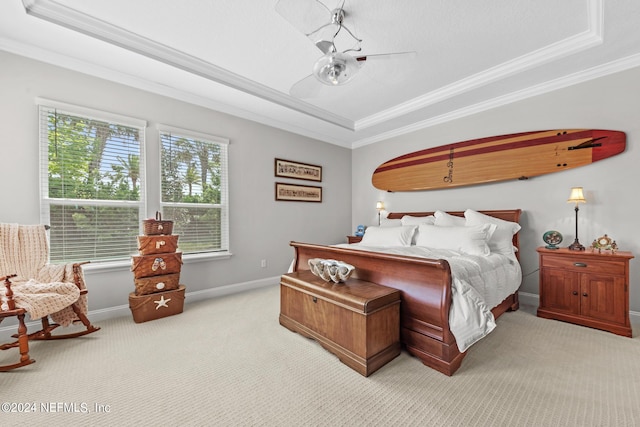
{"x": 584, "y": 264}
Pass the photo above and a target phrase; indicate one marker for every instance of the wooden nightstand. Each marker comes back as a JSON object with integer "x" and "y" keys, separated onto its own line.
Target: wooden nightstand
{"x": 586, "y": 288}
{"x": 354, "y": 239}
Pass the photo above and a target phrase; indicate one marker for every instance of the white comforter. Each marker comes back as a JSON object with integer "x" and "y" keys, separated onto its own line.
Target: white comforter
{"x": 479, "y": 284}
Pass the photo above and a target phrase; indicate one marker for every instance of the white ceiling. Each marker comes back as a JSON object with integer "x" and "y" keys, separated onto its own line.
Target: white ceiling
{"x": 242, "y": 56}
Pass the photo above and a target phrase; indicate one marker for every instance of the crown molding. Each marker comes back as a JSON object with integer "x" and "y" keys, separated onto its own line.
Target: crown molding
{"x": 75, "y": 20}
{"x": 70, "y": 18}
{"x": 593, "y": 73}
{"x": 64, "y": 61}
{"x": 590, "y": 38}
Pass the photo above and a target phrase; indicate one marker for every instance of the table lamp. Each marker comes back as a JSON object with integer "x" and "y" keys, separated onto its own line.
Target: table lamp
{"x": 576, "y": 197}
{"x": 380, "y": 207}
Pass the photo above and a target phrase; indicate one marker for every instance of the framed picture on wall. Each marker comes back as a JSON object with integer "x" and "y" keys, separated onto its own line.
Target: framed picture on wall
{"x": 297, "y": 170}
{"x": 298, "y": 193}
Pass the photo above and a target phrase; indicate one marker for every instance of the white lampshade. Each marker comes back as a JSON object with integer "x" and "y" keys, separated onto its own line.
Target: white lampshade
{"x": 576, "y": 196}
{"x": 380, "y": 206}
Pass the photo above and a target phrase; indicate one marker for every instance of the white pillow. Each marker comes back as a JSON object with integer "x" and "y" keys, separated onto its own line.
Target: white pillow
{"x": 502, "y": 240}
{"x": 386, "y": 222}
{"x": 417, "y": 220}
{"x": 388, "y": 236}
{"x": 444, "y": 219}
{"x": 471, "y": 239}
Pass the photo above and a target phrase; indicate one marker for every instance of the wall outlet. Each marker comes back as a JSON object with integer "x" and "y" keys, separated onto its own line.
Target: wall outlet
{"x": 263, "y": 263}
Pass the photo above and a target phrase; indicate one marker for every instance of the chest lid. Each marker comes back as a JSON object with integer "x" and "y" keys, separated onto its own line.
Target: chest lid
{"x": 357, "y": 295}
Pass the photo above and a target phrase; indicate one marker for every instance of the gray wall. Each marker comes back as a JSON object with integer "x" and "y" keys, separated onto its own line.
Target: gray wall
{"x": 611, "y": 185}
{"x": 260, "y": 227}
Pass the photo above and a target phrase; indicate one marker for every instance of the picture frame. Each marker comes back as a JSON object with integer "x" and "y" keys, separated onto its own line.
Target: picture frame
{"x": 298, "y": 193}
{"x": 296, "y": 170}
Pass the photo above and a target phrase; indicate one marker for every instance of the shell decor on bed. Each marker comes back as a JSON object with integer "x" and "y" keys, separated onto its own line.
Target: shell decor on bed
{"x": 331, "y": 269}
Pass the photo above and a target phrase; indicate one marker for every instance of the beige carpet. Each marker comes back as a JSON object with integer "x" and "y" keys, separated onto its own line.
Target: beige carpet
{"x": 227, "y": 362}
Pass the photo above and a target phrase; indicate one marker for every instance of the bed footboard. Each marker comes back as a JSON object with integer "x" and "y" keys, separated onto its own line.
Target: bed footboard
{"x": 425, "y": 287}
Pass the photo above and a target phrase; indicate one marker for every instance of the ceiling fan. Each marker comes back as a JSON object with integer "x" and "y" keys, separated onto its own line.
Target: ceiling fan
{"x": 323, "y": 26}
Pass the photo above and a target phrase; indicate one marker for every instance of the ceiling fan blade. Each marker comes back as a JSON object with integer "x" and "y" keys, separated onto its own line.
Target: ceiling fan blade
{"x": 385, "y": 57}
{"x": 305, "y": 15}
{"x": 309, "y": 87}
{"x": 325, "y": 46}
{"x": 386, "y": 68}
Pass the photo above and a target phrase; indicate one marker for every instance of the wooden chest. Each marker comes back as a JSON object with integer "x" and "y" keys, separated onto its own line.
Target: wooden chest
{"x": 157, "y": 305}
{"x": 148, "y": 245}
{"x": 357, "y": 321}
{"x": 156, "y": 265}
{"x": 152, "y": 284}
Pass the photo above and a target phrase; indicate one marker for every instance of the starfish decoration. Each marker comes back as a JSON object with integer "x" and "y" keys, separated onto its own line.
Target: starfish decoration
{"x": 162, "y": 302}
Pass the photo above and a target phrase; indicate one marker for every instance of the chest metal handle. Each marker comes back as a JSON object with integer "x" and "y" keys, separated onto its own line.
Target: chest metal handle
{"x": 580, "y": 264}
{"x": 315, "y": 299}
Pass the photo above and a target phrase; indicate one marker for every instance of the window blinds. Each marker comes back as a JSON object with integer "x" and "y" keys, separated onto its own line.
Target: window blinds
{"x": 92, "y": 188}
{"x": 194, "y": 188}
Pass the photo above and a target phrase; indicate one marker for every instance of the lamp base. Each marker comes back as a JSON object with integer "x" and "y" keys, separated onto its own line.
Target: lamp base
{"x": 576, "y": 246}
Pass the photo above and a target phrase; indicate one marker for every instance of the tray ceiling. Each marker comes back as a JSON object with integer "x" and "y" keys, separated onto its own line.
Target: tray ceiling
{"x": 242, "y": 56}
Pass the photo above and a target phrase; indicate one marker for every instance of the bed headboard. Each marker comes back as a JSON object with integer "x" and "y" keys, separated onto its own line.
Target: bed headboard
{"x": 512, "y": 215}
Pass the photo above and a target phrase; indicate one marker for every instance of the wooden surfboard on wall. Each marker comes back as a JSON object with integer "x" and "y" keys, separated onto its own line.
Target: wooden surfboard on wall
{"x": 498, "y": 158}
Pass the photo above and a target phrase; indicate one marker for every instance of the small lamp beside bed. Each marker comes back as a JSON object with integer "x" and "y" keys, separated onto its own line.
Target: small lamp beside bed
{"x": 576, "y": 197}
{"x": 380, "y": 208}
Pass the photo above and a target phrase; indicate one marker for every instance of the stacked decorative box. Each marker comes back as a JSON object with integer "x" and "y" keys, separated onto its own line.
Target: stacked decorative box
{"x": 156, "y": 271}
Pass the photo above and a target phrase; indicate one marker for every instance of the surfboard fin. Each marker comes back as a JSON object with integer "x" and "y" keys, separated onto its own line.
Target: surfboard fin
{"x": 588, "y": 144}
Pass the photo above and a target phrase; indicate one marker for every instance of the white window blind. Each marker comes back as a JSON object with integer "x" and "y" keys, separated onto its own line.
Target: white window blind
{"x": 92, "y": 182}
{"x": 194, "y": 189}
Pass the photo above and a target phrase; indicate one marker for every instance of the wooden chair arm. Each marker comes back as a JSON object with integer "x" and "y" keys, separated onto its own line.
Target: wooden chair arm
{"x": 77, "y": 278}
{"x": 11, "y": 304}
{"x": 13, "y": 312}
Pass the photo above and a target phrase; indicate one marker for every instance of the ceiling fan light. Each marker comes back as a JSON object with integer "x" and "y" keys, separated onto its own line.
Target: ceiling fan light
{"x": 334, "y": 69}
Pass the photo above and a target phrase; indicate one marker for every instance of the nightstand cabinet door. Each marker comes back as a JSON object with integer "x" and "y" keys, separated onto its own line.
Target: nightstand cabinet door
{"x": 560, "y": 291}
{"x": 586, "y": 288}
{"x": 603, "y": 297}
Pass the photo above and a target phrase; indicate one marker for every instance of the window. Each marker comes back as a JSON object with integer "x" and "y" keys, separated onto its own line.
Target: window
{"x": 94, "y": 189}
{"x": 194, "y": 188}
{"x": 92, "y": 182}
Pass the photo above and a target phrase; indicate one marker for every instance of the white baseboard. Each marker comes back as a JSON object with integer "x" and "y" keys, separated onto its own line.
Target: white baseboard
{"x": 533, "y": 300}
{"x": 96, "y": 316}
{"x": 526, "y": 298}
{"x": 99, "y": 315}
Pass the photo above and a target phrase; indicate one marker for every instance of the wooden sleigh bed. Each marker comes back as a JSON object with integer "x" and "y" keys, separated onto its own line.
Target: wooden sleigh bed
{"x": 425, "y": 286}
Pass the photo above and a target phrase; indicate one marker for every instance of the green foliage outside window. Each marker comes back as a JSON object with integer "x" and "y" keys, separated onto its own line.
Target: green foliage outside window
{"x": 95, "y": 174}
{"x": 192, "y": 186}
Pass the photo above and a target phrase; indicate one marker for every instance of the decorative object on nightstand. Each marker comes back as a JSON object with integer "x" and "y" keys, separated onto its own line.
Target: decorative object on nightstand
{"x": 604, "y": 243}
{"x": 552, "y": 238}
{"x": 359, "y": 231}
{"x": 380, "y": 207}
{"x": 586, "y": 288}
{"x": 576, "y": 197}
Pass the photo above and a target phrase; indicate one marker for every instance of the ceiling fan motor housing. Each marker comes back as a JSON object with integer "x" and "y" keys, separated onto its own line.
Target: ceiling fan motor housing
{"x": 335, "y": 68}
